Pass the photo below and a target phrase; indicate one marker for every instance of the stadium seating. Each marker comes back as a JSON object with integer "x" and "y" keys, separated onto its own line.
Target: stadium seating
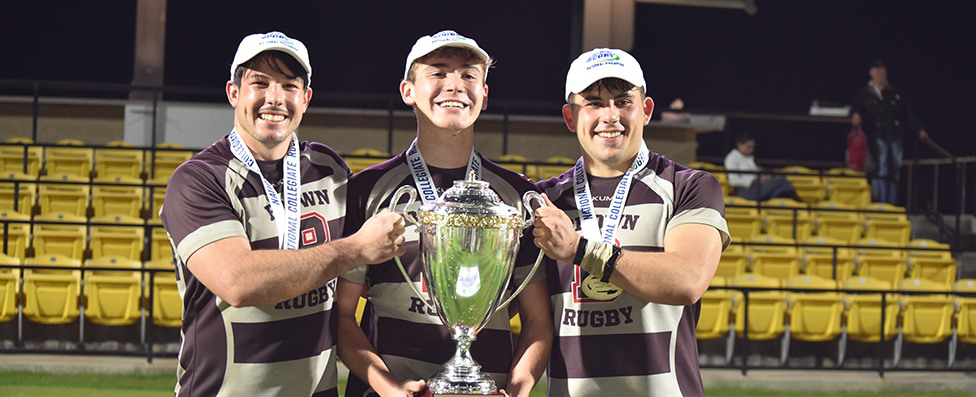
{"x": 167, "y": 305}
{"x": 892, "y": 225}
{"x": 160, "y": 246}
{"x": 864, "y": 310}
{"x": 64, "y": 198}
{"x": 19, "y": 199}
{"x": 112, "y": 297}
{"x": 815, "y": 316}
{"x": 60, "y": 239}
{"x": 767, "y": 309}
{"x": 965, "y": 312}
{"x": 515, "y": 162}
{"x": 924, "y": 318}
{"x": 716, "y": 315}
{"x": 840, "y": 225}
{"x": 9, "y": 288}
{"x": 734, "y": 261}
{"x": 559, "y": 165}
{"x": 853, "y": 190}
{"x": 114, "y": 165}
{"x": 782, "y": 214}
{"x": 68, "y": 160}
{"x": 889, "y": 265}
{"x": 810, "y": 188}
{"x": 357, "y": 164}
{"x": 51, "y": 295}
{"x": 744, "y": 222}
{"x": 160, "y": 168}
{"x": 155, "y": 202}
{"x": 117, "y": 241}
{"x": 819, "y": 261}
{"x": 779, "y": 261}
{"x": 117, "y": 200}
{"x": 17, "y": 235}
{"x": 12, "y": 159}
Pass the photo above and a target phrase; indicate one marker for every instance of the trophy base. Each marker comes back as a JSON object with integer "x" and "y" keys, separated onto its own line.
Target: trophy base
{"x": 477, "y": 384}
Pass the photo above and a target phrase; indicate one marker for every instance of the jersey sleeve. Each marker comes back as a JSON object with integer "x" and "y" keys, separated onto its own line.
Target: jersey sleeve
{"x": 699, "y": 199}
{"x": 197, "y": 211}
{"x": 355, "y": 217}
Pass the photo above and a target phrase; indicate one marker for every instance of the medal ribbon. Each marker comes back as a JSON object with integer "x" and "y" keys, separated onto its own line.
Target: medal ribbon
{"x": 584, "y": 201}
{"x": 285, "y": 211}
{"x": 422, "y": 177}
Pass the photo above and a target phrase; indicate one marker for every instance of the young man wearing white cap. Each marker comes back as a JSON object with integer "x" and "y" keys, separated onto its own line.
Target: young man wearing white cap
{"x": 401, "y": 340}
{"x": 255, "y": 221}
{"x": 636, "y": 239}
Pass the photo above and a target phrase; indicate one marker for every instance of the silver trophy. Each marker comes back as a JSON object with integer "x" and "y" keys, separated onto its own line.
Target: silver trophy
{"x": 469, "y": 240}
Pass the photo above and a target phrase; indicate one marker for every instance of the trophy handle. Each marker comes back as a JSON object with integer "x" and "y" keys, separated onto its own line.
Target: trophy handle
{"x": 527, "y": 202}
{"x": 397, "y": 195}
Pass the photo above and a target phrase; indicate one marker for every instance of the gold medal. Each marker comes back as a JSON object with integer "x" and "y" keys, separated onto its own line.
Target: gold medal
{"x": 599, "y": 290}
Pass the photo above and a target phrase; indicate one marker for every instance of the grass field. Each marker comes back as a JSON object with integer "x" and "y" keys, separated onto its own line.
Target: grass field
{"x": 32, "y": 384}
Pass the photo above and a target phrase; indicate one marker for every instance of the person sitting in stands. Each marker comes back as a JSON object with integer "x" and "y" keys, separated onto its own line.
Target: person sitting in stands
{"x": 753, "y": 186}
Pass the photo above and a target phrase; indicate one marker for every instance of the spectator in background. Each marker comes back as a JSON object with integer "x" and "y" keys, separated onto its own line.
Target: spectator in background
{"x": 885, "y": 115}
{"x": 753, "y": 186}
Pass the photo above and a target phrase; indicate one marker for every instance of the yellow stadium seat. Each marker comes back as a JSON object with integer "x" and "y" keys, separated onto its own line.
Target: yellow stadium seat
{"x": 372, "y": 157}
{"x": 888, "y": 212}
{"x": 161, "y": 248}
{"x": 18, "y": 199}
{"x": 734, "y": 261}
{"x": 943, "y": 249}
{"x": 779, "y": 215}
{"x": 925, "y": 318}
{"x": 361, "y": 307}
{"x": 117, "y": 241}
{"x": 155, "y": 202}
{"x": 516, "y": 162}
{"x": 60, "y": 239}
{"x": 117, "y": 200}
{"x": 167, "y": 304}
{"x": 840, "y": 225}
{"x": 743, "y": 220}
{"x": 811, "y": 192}
{"x": 939, "y": 270}
{"x": 815, "y": 316}
{"x": 112, "y": 297}
{"x": 864, "y": 310}
{"x": 556, "y": 166}
{"x": 68, "y": 161}
{"x": 966, "y": 310}
{"x": 767, "y": 309}
{"x": 12, "y": 159}
{"x": 9, "y": 288}
{"x": 890, "y": 269}
{"x": 17, "y": 236}
{"x": 166, "y": 162}
{"x": 819, "y": 261}
{"x": 118, "y": 164}
{"x": 780, "y": 261}
{"x": 64, "y": 198}
{"x": 716, "y": 315}
{"x": 51, "y": 295}
{"x": 897, "y": 232}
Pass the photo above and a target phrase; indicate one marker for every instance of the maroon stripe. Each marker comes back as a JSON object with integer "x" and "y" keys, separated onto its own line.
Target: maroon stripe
{"x": 686, "y": 354}
{"x": 591, "y": 356}
{"x": 204, "y": 351}
{"x": 265, "y": 244}
{"x": 284, "y": 340}
{"x": 432, "y": 343}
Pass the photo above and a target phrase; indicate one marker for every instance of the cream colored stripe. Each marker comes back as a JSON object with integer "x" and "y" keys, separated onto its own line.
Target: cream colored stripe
{"x": 705, "y": 216}
{"x": 207, "y": 234}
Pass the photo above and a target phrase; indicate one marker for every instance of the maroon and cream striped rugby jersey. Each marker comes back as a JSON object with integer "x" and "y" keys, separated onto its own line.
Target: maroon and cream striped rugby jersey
{"x": 286, "y": 349}
{"x": 407, "y": 335}
{"x": 627, "y": 346}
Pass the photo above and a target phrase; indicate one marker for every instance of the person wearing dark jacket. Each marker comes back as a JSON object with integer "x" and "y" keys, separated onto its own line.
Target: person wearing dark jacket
{"x": 885, "y": 115}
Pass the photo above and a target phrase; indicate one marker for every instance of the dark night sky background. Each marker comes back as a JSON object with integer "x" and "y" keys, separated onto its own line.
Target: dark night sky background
{"x": 778, "y": 60}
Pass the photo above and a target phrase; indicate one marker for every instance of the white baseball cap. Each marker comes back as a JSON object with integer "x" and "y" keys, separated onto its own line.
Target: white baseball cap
{"x": 257, "y": 43}
{"x": 445, "y": 38}
{"x": 601, "y": 63}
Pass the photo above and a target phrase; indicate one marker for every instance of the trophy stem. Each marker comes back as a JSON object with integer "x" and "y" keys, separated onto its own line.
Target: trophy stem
{"x": 462, "y": 375}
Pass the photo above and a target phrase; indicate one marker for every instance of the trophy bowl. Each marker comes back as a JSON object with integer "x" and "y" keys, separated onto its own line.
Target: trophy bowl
{"x": 468, "y": 244}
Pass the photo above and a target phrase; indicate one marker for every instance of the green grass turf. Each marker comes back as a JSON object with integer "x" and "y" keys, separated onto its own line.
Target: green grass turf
{"x": 32, "y": 384}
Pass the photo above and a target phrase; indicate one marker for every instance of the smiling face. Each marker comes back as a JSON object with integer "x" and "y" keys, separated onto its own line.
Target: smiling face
{"x": 446, "y": 89}
{"x": 609, "y": 124}
{"x": 268, "y": 102}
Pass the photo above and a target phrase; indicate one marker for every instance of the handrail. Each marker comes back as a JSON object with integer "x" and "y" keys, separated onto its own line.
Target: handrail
{"x": 938, "y": 148}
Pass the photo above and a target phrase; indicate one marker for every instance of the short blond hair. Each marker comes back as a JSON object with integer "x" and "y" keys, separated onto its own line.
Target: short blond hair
{"x": 462, "y": 52}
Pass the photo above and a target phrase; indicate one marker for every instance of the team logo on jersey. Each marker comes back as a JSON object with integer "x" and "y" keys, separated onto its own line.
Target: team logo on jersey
{"x": 314, "y": 230}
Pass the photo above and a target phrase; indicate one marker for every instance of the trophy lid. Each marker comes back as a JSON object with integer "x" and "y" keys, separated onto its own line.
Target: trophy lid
{"x": 470, "y": 203}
